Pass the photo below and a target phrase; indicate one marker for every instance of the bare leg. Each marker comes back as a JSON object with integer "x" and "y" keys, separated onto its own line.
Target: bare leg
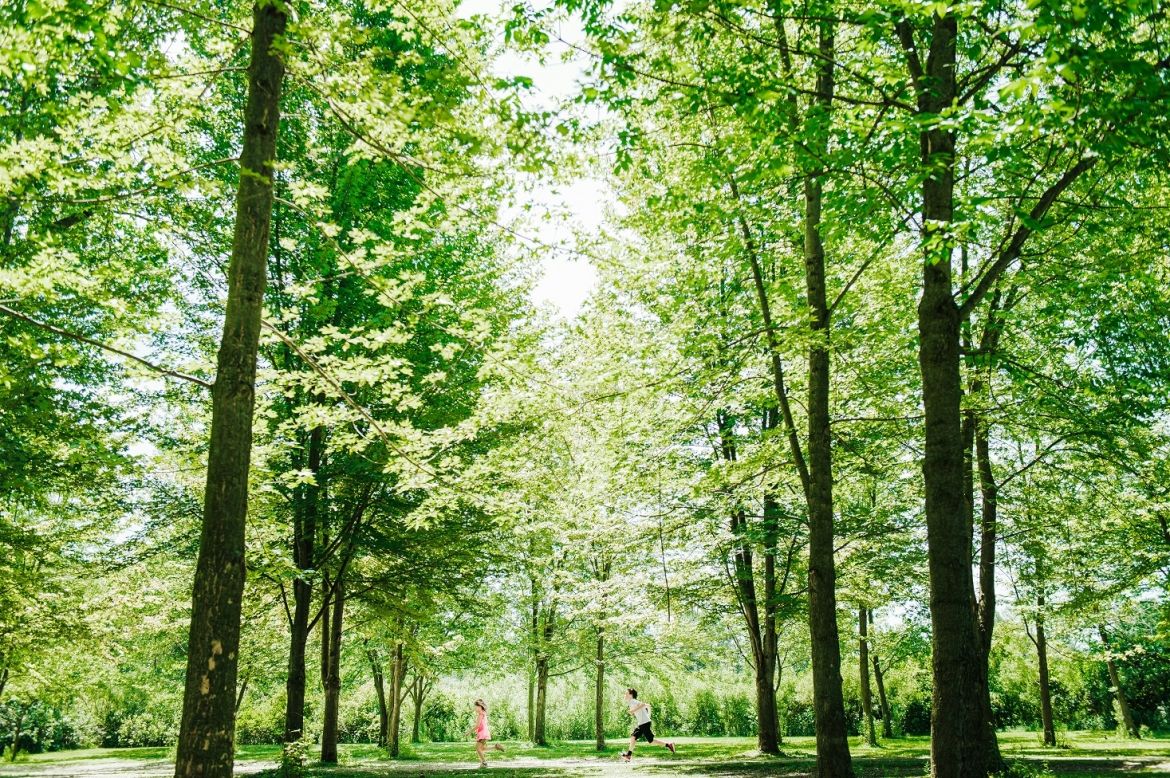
{"x": 480, "y": 746}
{"x": 497, "y": 746}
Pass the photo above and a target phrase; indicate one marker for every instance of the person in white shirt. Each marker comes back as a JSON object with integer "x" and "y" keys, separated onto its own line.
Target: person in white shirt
{"x": 642, "y": 729}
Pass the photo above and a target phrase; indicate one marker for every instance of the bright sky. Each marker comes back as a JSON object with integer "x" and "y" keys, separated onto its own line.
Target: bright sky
{"x": 566, "y": 279}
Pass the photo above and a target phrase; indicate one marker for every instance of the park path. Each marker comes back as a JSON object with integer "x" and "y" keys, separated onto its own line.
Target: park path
{"x": 531, "y": 767}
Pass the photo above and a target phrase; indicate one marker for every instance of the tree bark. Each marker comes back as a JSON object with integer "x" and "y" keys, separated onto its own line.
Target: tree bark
{"x": 879, "y": 679}
{"x": 418, "y": 690}
{"x": 331, "y": 723}
{"x": 957, "y": 729}
{"x": 988, "y": 536}
{"x": 207, "y": 729}
{"x": 380, "y": 691}
{"x": 396, "y": 695}
{"x": 1041, "y": 642}
{"x": 833, "y": 757}
{"x": 599, "y": 692}
{"x": 863, "y": 663}
{"x": 538, "y": 736}
{"x": 761, "y": 632}
{"x": 1127, "y": 719}
{"x": 304, "y": 549}
{"x": 547, "y": 631}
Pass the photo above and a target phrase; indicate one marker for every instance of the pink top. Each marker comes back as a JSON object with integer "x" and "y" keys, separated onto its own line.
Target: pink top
{"x": 481, "y": 726}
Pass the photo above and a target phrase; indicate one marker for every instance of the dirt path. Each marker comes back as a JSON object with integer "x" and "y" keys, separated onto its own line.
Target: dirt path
{"x": 528, "y": 767}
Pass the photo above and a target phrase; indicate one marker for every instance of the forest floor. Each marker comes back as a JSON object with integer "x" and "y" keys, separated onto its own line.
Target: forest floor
{"x": 1081, "y": 754}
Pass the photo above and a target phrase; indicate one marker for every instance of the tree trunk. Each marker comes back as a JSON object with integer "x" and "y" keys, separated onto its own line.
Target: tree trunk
{"x": 207, "y": 730}
{"x": 599, "y": 692}
{"x": 879, "y": 679}
{"x": 240, "y": 695}
{"x": 1127, "y": 720}
{"x": 863, "y": 663}
{"x": 304, "y": 549}
{"x": 538, "y": 736}
{"x": 3, "y": 680}
{"x": 331, "y": 723}
{"x": 535, "y": 640}
{"x": 380, "y": 691}
{"x": 1045, "y": 687}
{"x": 833, "y": 757}
{"x": 418, "y": 691}
{"x": 957, "y": 728}
{"x": 988, "y": 536}
{"x": 396, "y": 695}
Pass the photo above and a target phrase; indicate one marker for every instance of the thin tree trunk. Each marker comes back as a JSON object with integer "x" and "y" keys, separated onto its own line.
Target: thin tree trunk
{"x": 399, "y": 675}
{"x": 833, "y": 759}
{"x": 240, "y": 694}
{"x": 863, "y": 664}
{"x": 418, "y": 691}
{"x": 599, "y": 692}
{"x": 380, "y": 690}
{"x": 207, "y": 729}
{"x": 546, "y": 635}
{"x": 331, "y": 723}
{"x": 1041, "y": 642}
{"x": 3, "y": 680}
{"x": 534, "y": 636}
{"x": 988, "y": 535}
{"x": 304, "y": 549}
{"x": 538, "y": 736}
{"x": 957, "y": 728}
{"x": 879, "y": 679}
{"x": 1127, "y": 719}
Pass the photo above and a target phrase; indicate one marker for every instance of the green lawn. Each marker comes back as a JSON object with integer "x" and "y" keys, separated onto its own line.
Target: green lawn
{"x": 1083, "y": 754}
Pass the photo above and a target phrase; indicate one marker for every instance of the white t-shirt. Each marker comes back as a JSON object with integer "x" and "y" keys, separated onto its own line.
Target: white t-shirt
{"x": 642, "y": 715}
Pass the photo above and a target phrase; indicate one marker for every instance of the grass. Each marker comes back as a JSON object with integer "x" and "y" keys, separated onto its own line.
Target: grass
{"x": 1081, "y": 754}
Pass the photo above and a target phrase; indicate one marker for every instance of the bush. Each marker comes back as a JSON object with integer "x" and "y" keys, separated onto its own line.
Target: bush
{"x": 293, "y": 759}
{"x": 441, "y": 722}
{"x": 916, "y": 717}
{"x": 147, "y": 729}
{"x": 706, "y": 719}
{"x": 739, "y": 715}
{"x": 799, "y": 719}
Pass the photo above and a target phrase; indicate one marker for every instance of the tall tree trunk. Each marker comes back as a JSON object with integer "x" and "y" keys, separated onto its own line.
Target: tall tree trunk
{"x": 863, "y": 664}
{"x": 304, "y": 550}
{"x": 538, "y": 735}
{"x": 331, "y": 723}
{"x": 396, "y": 695}
{"x": 879, "y": 679}
{"x": 546, "y": 633}
{"x": 988, "y": 536}
{"x": 833, "y": 758}
{"x": 207, "y": 730}
{"x": 534, "y": 638}
{"x": 417, "y": 693}
{"x": 761, "y": 637}
{"x": 599, "y": 692}
{"x": 1041, "y": 641}
{"x": 1127, "y": 719}
{"x": 380, "y": 690}
{"x": 957, "y": 729}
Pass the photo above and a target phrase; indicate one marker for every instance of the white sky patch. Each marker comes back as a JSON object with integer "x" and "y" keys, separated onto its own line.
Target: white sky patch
{"x": 553, "y": 214}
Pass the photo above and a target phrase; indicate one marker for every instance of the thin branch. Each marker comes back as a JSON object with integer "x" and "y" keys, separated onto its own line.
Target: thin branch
{"x": 97, "y": 344}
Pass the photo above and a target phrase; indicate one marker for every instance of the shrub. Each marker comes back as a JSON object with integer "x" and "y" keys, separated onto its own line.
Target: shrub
{"x": 293, "y": 759}
{"x": 916, "y": 717}
{"x": 739, "y": 715}
{"x": 706, "y": 719}
{"x": 441, "y": 722}
{"x": 799, "y": 719}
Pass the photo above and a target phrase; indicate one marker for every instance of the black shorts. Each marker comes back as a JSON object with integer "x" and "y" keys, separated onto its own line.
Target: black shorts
{"x": 643, "y": 731}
